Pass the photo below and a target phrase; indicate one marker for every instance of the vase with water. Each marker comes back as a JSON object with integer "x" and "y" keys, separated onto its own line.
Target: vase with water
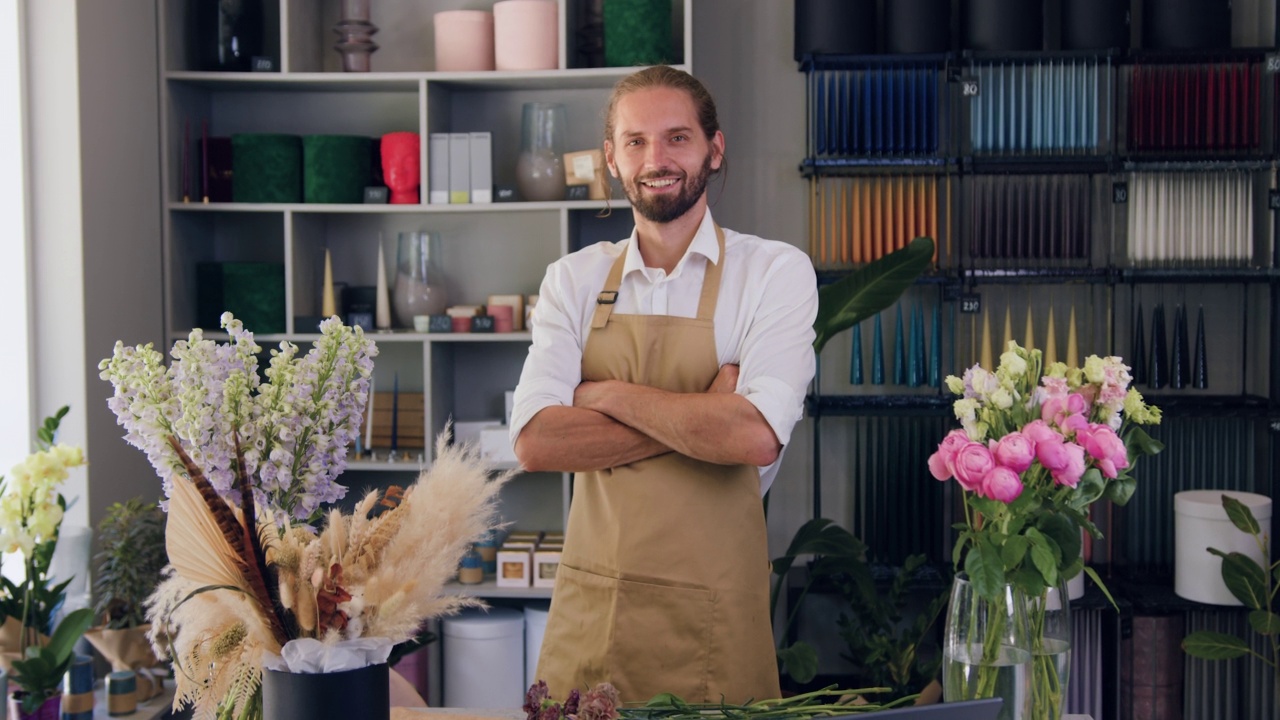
{"x": 987, "y": 650}
{"x": 1049, "y": 620}
{"x": 419, "y": 284}
{"x": 540, "y": 166}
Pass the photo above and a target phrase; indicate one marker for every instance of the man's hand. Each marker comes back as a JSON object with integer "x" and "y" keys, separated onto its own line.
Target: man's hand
{"x": 726, "y": 380}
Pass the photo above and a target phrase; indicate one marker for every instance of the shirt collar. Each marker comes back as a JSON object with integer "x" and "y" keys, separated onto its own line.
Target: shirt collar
{"x": 704, "y": 243}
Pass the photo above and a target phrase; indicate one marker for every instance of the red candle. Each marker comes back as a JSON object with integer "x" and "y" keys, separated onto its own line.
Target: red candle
{"x": 204, "y": 159}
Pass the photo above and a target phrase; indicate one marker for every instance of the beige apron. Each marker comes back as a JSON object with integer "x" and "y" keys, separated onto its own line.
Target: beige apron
{"x": 664, "y": 581}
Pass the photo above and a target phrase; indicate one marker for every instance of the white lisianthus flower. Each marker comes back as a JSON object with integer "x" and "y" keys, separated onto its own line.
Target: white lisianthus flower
{"x": 1013, "y": 365}
{"x": 1002, "y": 399}
{"x": 1056, "y": 370}
{"x": 955, "y": 385}
{"x": 966, "y": 409}
{"x": 1094, "y": 369}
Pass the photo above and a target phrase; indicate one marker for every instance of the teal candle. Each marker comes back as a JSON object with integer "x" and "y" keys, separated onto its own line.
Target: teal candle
{"x": 935, "y": 349}
{"x": 855, "y": 361}
{"x": 877, "y": 354}
{"x": 899, "y": 351}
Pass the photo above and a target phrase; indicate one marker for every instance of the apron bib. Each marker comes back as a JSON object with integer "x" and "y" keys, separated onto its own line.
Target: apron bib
{"x": 663, "y": 585}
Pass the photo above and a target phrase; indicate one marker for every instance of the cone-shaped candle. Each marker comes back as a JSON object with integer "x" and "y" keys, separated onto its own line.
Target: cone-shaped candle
{"x": 1008, "y": 330}
{"x": 899, "y": 351}
{"x": 922, "y": 359}
{"x": 1179, "y": 368}
{"x": 1200, "y": 370}
{"x": 877, "y": 353}
{"x": 935, "y": 349}
{"x": 1138, "y": 357}
{"x": 1159, "y": 373}
{"x": 984, "y": 350}
{"x": 855, "y": 359}
{"x": 1050, "y": 354}
{"x": 1073, "y": 341}
{"x": 1029, "y": 335}
{"x": 382, "y": 306}
{"x": 328, "y": 306}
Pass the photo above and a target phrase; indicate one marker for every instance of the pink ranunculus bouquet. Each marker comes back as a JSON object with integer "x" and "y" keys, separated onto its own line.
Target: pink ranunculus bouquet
{"x": 1038, "y": 446}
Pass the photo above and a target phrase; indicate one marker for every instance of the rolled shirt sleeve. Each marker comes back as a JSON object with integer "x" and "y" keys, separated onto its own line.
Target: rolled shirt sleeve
{"x": 553, "y": 368}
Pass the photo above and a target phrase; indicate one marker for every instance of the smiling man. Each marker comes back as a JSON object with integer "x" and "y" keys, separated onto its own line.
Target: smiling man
{"x": 667, "y": 371}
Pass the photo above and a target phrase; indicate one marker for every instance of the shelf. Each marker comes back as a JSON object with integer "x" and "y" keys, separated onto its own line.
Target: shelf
{"x": 823, "y": 61}
{"x": 1205, "y": 405}
{"x": 1013, "y": 275}
{"x": 409, "y": 336}
{"x": 489, "y": 589}
{"x": 580, "y": 78}
{"x": 1192, "y": 162}
{"x": 879, "y": 405}
{"x": 1039, "y": 164}
{"x": 1209, "y": 55}
{"x": 1155, "y": 596}
{"x": 1104, "y": 275}
{"x": 810, "y": 167}
{"x": 415, "y": 208}
{"x": 409, "y": 464}
{"x": 1199, "y": 275}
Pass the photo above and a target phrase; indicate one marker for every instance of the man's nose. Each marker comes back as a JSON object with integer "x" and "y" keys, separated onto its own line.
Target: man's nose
{"x": 655, "y": 155}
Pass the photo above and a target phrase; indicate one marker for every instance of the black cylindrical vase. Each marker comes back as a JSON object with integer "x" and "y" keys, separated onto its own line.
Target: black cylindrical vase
{"x": 917, "y": 26}
{"x": 1186, "y": 24}
{"x": 1003, "y": 25}
{"x": 1095, "y": 24}
{"x": 837, "y": 27}
{"x": 226, "y": 35}
{"x": 362, "y": 693}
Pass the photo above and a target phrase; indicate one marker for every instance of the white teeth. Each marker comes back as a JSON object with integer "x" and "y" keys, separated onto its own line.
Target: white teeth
{"x": 659, "y": 183}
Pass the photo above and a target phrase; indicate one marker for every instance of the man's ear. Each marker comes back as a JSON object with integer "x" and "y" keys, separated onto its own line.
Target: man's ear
{"x": 717, "y": 150}
{"x": 608, "y": 158}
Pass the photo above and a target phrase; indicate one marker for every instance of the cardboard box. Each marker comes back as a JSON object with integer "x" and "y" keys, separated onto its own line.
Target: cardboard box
{"x": 468, "y": 431}
{"x": 586, "y": 167}
{"x": 517, "y": 308}
{"x": 546, "y": 561}
{"x": 481, "y": 167}
{"x": 438, "y": 162}
{"x": 410, "y": 420}
{"x": 459, "y": 168}
{"x": 515, "y": 565}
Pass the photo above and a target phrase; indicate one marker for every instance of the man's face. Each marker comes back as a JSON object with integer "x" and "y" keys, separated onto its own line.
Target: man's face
{"x": 660, "y": 154}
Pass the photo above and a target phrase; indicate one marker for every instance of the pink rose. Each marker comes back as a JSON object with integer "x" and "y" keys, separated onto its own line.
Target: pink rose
{"x": 1003, "y": 484}
{"x": 1102, "y": 443}
{"x": 1057, "y": 409}
{"x": 1073, "y": 424}
{"x": 1052, "y": 454}
{"x": 972, "y": 463}
{"x": 1070, "y": 473}
{"x": 1038, "y": 431}
{"x": 1015, "y": 451}
{"x": 942, "y": 462}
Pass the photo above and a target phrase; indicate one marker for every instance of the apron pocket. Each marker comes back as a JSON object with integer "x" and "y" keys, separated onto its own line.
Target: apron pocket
{"x": 662, "y": 637}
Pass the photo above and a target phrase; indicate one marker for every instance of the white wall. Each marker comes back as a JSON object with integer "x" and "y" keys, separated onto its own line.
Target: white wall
{"x": 15, "y": 320}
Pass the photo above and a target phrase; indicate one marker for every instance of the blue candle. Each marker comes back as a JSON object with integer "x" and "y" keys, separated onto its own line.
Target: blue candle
{"x": 395, "y": 408}
{"x": 877, "y": 354}
{"x": 855, "y": 365}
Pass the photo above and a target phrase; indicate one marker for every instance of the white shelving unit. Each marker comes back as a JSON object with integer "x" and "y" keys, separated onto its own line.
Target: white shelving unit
{"x": 500, "y": 248}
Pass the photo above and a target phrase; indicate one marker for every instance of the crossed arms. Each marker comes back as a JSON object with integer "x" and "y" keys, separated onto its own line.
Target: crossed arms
{"x": 613, "y": 423}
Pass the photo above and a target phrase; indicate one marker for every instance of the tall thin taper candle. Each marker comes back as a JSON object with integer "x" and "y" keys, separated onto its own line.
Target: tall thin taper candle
{"x": 1050, "y": 341}
{"x": 1008, "y": 331}
{"x": 984, "y": 351}
{"x": 382, "y": 304}
{"x": 204, "y": 159}
{"x": 935, "y": 349}
{"x": 877, "y": 353}
{"x": 1029, "y": 341}
{"x": 328, "y": 306}
{"x": 1073, "y": 341}
{"x": 899, "y": 351}
{"x": 1138, "y": 360}
{"x": 395, "y": 409}
{"x": 368, "y": 420}
{"x": 1200, "y": 370}
{"x": 855, "y": 361}
{"x": 186, "y": 160}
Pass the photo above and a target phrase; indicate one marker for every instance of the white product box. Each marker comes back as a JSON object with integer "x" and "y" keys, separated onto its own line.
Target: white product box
{"x": 515, "y": 565}
{"x": 481, "y": 167}
{"x": 546, "y": 561}
{"x": 495, "y": 445}
{"x": 510, "y": 400}
{"x": 459, "y": 168}
{"x": 468, "y": 431}
{"x": 438, "y": 162}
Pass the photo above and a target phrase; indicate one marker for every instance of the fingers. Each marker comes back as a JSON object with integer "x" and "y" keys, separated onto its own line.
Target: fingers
{"x": 726, "y": 381}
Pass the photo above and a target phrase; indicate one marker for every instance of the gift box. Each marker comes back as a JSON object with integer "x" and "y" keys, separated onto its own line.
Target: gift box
{"x": 252, "y": 291}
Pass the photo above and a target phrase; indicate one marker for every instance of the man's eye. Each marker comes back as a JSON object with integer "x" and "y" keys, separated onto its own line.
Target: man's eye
{"x": 679, "y": 138}
{"x": 634, "y": 142}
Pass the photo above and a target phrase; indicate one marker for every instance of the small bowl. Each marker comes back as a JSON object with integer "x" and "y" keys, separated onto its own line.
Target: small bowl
{"x": 422, "y": 323}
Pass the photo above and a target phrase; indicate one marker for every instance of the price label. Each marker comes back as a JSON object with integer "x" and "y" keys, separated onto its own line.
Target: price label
{"x": 970, "y": 303}
{"x": 1272, "y": 63}
{"x": 969, "y": 86}
{"x": 1273, "y": 199}
{"x": 1120, "y": 193}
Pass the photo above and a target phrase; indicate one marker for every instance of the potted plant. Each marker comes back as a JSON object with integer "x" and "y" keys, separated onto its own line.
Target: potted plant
{"x": 31, "y": 511}
{"x": 127, "y": 571}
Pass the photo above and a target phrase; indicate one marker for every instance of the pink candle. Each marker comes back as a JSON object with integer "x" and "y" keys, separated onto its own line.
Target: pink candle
{"x": 204, "y": 159}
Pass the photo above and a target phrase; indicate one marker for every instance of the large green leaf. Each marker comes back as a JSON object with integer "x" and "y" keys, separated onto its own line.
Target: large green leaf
{"x": 868, "y": 290}
{"x": 1138, "y": 443}
{"x": 1265, "y": 622}
{"x": 1244, "y": 578}
{"x": 1214, "y": 646}
{"x": 985, "y": 570}
{"x": 1240, "y": 515}
{"x": 1064, "y": 532}
{"x": 800, "y": 661}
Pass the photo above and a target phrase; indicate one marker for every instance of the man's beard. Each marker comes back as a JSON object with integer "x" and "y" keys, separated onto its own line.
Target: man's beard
{"x": 665, "y": 208}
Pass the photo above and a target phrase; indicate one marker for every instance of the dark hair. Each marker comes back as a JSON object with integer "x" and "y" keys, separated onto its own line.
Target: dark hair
{"x": 666, "y": 77}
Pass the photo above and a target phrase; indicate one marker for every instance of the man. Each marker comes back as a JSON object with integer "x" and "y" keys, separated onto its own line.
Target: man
{"x": 667, "y": 372}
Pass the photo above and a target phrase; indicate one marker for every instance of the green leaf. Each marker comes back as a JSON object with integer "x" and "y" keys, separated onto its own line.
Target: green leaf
{"x": 800, "y": 661}
{"x": 71, "y": 629}
{"x": 665, "y": 700}
{"x": 1014, "y": 550}
{"x": 1064, "y": 533}
{"x": 1090, "y": 488}
{"x": 1214, "y": 646}
{"x": 1121, "y": 489}
{"x": 1265, "y": 622}
{"x": 1138, "y": 443}
{"x": 985, "y": 570}
{"x": 1093, "y": 574}
{"x": 1244, "y": 578}
{"x": 1042, "y": 557}
{"x": 869, "y": 290}
{"x": 1240, "y": 515}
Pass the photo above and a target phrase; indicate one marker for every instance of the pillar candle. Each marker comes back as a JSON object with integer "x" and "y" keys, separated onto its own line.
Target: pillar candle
{"x": 877, "y": 354}
{"x": 1029, "y": 336}
{"x": 1073, "y": 342}
{"x": 1008, "y": 331}
{"x": 1050, "y": 355}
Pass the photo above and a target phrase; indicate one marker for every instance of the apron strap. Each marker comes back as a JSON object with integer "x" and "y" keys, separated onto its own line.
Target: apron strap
{"x": 609, "y": 295}
{"x": 706, "y": 302}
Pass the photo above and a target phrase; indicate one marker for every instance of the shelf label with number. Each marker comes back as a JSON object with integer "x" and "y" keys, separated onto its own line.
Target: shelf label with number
{"x": 1120, "y": 192}
{"x": 1273, "y": 62}
{"x": 970, "y": 303}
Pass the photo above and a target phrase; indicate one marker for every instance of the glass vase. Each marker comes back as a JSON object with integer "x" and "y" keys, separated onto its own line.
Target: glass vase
{"x": 540, "y": 167}
{"x": 226, "y": 34}
{"x": 987, "y": 649}
{"x": 1049, "y": 618}
{"x": 419, "y": 284}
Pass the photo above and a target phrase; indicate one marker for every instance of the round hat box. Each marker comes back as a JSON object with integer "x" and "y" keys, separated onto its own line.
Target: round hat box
{"x": 1199, "y": 523}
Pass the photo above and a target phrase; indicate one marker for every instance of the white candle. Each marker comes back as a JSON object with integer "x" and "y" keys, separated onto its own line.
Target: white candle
{"x": 368, "y": 420}
{"x": 328, "y": 305}
{"x": 382, "y": 320}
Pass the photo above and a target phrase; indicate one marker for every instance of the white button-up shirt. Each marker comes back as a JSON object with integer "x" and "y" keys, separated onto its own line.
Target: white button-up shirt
{"x": 763, "y": 320}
